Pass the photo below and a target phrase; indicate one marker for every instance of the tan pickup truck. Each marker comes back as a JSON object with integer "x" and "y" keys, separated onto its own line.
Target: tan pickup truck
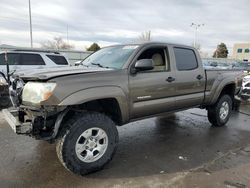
{"x": 80, "y": 107}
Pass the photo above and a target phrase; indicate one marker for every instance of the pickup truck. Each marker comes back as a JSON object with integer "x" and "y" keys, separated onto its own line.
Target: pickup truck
{"x": 80, "y": 108}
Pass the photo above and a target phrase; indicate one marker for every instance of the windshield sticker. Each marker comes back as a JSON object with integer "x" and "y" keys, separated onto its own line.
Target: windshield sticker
{"x": 132, "y": 47}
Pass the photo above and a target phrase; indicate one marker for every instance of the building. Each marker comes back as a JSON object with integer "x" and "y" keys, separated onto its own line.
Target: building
{"x": 241, "y": 51}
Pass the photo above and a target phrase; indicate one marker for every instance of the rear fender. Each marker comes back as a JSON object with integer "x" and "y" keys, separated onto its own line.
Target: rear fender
{"x": 217, "y": 91}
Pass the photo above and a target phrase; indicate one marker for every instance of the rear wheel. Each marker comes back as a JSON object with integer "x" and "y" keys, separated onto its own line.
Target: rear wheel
{"x": 219, "y": 113}
{"x": 87, "y": 143}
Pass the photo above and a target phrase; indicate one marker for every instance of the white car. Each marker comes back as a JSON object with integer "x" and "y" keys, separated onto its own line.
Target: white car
{"x": 245, "y": 93}
{"x": 23, "y": 60}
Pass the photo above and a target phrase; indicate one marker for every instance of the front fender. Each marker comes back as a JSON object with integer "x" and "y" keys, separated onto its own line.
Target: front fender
{"x": 101, "y": 92}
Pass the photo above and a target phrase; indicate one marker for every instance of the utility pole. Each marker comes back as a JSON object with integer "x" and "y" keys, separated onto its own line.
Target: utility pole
{"x": 31, "y": 37}
{"x": 67, "y": 33}
{"x": 196, "y": 27}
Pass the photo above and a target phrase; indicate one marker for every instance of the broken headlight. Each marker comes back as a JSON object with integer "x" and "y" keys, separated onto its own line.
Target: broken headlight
{"x": 36, "y": 92}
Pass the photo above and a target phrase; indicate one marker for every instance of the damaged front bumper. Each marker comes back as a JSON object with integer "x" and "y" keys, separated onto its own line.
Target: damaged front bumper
{"x": 12, "y": 117}
{"x": 40, "y": 123}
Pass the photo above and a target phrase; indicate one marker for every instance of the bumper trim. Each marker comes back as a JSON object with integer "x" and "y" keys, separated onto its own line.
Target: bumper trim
{"x": 11, "y": 116}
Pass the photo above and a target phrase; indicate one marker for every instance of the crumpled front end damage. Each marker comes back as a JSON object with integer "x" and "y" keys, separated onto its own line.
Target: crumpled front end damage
{"x": 40, "y": 122}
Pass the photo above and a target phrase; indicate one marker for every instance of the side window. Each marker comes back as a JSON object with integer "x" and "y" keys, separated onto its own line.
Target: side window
{"x": 2, "y": 60}
{"x": 185, "y": 59}
{"x": 12, "y": 58}
{"x": 31, "y": 59}
{"x": 239, "y": 50}
{"x": 59, "y": 60}
{"x": 158, "y": 57}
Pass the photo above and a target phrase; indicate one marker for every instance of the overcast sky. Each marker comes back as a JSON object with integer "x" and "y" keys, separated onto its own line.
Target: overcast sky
{"x": 121, "y": 21}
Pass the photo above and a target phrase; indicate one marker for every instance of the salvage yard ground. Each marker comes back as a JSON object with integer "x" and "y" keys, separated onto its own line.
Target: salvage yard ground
{"x": 181, "y": 150}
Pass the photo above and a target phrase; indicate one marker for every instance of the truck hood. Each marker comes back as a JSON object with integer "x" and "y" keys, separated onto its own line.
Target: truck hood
{"x": 49, "y": 73}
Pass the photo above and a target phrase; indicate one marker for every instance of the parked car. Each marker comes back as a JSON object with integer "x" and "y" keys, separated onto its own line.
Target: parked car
{"x": 214, "y": 64}
{"x": 244, "y": 66}
{"x": 245, "y": 93}
{"x": 21, "y": 60}
{"x": 79, "y": 107}
{"x": 26, "y": 60}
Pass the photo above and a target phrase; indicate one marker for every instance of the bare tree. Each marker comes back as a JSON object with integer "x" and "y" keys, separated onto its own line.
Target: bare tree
{"x": 56, "y": 43}
{"x": 145, "y": 36}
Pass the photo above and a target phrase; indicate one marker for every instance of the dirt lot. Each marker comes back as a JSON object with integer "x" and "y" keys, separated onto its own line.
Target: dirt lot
{"x": 182, "y": 150}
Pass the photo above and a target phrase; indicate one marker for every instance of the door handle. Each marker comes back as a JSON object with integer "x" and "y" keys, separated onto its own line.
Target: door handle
{"x": 170, "y": 79}
{"x": 199, "y": 77}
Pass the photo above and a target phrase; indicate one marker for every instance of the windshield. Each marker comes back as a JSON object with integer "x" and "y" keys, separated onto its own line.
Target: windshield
{"x": 110, "y": 57}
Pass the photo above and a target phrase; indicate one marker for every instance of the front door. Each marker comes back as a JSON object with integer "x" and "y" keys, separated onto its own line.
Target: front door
{"x": 152, "y": 92}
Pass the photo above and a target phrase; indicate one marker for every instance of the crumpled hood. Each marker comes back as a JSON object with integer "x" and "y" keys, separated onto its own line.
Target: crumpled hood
{"x": 49, "y": 73}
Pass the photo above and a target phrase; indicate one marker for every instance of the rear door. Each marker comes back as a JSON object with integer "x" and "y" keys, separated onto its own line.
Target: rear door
{"x": 30, "y": 61}
{"x": 190, "y": 78}
{"x": 150, "y": 92}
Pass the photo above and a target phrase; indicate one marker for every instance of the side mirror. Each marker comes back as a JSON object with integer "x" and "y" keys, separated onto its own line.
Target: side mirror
{"x": 144, "y": 64}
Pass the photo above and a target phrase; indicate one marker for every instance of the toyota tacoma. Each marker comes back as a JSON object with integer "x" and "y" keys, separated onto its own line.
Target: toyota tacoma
{"x": 80, "y": 108}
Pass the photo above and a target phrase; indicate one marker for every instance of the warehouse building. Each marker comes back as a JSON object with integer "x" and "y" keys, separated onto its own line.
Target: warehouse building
{"x": 241, "y": 51}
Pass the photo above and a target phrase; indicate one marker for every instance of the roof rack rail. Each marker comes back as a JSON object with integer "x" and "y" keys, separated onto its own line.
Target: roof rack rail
{"x": 36, "y": 50}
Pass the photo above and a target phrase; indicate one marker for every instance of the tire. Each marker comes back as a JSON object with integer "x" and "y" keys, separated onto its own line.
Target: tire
{"x": 215, "y": 113}
{"x": 77, "y": 133}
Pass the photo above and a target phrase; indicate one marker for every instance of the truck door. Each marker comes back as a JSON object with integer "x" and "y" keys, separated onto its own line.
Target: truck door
{"x": 190, "y": 78}
{"x": 152, "y": 92}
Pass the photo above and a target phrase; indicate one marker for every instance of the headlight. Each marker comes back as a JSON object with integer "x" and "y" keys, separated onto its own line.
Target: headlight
{"x": 36, "y": 92}
{"x": 2, "y": 80}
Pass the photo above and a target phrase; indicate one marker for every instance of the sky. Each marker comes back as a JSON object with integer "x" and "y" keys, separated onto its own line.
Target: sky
{"x": 110, "y": 22}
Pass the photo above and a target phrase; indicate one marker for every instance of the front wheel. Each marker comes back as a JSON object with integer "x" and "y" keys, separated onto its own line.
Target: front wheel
{"x": 219, "y": 113}
{"x": 88, "y": 142}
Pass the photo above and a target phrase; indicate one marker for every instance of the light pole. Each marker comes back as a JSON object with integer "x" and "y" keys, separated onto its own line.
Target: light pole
{"x": 67, "y": 33}
{"x": 31, "y": 37}
{"x": 196, "y": 27}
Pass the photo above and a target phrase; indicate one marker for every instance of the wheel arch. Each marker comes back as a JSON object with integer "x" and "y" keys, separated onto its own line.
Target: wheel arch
{"x": 228, "y": 88}
{"x": 110, "y": 100}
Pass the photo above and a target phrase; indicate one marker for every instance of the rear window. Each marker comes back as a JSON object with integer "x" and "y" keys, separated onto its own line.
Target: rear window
{"x": 185, "y": 59}
{"x": 59, "y": 60}
{"x": 31, "y": 59}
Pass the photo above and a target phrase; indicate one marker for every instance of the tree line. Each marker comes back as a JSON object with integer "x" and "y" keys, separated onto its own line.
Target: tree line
{"x": 58, "y": 43}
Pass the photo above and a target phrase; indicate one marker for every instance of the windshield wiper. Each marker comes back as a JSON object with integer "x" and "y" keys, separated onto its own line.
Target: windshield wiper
{"x": 99, "y": 65}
